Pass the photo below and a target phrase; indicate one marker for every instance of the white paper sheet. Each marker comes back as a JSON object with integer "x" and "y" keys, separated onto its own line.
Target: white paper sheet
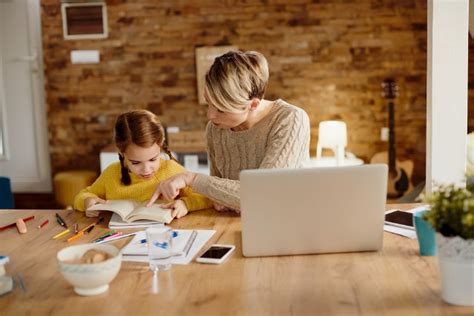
{"x": 410, "y": 233}
{"x": 135, "y": 247}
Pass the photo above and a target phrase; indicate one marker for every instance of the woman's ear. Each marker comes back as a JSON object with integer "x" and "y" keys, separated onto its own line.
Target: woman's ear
{"x": 254, "y": 103}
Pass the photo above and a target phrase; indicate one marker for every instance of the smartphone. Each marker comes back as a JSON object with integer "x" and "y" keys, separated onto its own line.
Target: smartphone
{"x": 399, "y": 218}
{"x": 216, "y": 254}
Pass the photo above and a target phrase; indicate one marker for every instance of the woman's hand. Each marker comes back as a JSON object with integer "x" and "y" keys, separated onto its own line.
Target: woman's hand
{"x": 178, "y": 208}
{"x": 221, "y": 208}
{"x": 169, "y": 189}
{"x": 93, "y": 201}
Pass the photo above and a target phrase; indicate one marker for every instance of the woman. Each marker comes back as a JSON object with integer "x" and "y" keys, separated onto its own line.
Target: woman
{"x": 245, "y": 131}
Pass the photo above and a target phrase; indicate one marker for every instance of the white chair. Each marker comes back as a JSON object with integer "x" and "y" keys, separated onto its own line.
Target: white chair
{"x": 332, "y": 135}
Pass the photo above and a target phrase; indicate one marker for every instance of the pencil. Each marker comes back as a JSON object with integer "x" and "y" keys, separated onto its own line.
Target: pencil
{"x": 93, "y": 224}
{"x": 85, "y": 230}
{"x": 76, "y": 236}
{"x": 43, "y": 224}
{"x": 14, "y": 223}
{"x": 115, "y": 238}
{"x": 64, "y": 232}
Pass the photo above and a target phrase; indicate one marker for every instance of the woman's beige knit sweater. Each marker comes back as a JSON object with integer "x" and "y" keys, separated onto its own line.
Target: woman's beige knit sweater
{"x": 279, "y": 140}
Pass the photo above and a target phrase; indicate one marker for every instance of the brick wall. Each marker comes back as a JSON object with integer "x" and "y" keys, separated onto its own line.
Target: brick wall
{"x": 328, "y": 57}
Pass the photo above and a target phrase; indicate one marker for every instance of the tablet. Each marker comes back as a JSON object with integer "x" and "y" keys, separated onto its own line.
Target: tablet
{"x": 399, "y": 218}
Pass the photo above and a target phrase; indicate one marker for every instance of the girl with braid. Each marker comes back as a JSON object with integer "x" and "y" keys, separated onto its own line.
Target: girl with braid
{"x": 139, "y": 137}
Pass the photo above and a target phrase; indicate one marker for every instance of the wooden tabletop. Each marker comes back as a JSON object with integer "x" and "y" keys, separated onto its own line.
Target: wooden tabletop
{"x": 394, "y": 281}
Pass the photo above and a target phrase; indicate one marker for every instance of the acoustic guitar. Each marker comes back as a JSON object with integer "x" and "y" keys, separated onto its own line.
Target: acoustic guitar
{"x": 400, "y": 172}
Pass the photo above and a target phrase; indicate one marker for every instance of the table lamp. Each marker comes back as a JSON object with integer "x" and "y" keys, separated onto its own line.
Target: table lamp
{"x": 333, "y": 135}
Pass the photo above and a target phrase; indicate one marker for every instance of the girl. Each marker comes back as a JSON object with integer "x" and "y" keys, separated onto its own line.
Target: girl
{"x": 245, "y": 130}
{"x": 139, "y": 137}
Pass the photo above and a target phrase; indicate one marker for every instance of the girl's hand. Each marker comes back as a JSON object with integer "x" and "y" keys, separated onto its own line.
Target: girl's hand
{"x": 93, "y": 201}
{"x": 169, "y": 189}
{"x": 178, "y": 208}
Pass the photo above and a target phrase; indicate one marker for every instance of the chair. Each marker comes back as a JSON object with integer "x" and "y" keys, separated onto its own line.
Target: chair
{"x": 6, "y": 195}
{"x": 68, "y": 183}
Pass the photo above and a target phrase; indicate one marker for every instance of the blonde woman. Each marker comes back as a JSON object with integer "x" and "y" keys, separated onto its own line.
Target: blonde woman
{"x": 245, "y": 131}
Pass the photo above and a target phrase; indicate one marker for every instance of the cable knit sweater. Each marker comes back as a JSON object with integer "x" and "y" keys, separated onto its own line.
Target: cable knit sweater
{"x": 279, "y": 140}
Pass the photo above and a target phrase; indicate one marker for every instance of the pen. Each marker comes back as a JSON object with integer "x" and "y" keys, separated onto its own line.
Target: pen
{"x": 14, "y": 223}
{"x": 93, "y": 224}
{"x": 87, "y": 229}
{"x": 190, "y": 242}
{"x": 110, "y": 232}
{"x": 102, "y": 237}
{"x": 64, "y": 232}
{"x": 110, "y": 238}
{"x": 113, "y": 236}
{"x": 61, "y": 221}
{"x": 43, "y": 224}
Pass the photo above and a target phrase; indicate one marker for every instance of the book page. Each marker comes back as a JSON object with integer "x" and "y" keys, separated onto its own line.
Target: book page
{"x": 117, "y": 223}
{"x": 153, "y": 212}
{"x": 121, "y": 207}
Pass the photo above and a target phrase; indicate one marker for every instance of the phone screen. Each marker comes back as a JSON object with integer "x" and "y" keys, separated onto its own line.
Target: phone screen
{"x": 399, "y": 217}
{"x": 216, "y": 252}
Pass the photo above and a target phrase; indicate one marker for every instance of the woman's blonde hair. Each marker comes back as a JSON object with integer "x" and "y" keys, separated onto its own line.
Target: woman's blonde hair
{"x": 142, "y": 128}
{"x": 234, "y": 79}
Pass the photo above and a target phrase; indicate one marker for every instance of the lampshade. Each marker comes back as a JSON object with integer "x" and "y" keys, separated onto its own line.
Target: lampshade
{"x": 332, "y": 134}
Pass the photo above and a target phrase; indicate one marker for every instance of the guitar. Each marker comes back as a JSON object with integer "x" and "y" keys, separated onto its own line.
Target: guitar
{"x": 399, "y": 172}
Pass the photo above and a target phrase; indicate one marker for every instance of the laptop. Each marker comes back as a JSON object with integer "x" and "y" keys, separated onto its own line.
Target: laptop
{"x": 312, "y": 210}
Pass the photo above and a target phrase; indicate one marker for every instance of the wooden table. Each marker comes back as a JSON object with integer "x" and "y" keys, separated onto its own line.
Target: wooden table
{"x": 394, "y": 281}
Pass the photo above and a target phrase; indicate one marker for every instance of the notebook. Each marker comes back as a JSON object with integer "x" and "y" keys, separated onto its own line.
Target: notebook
{"x": 137, "y": 251}
{"x": 312, "y": 210}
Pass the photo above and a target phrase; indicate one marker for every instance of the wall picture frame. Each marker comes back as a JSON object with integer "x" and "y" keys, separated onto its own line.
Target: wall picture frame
{"x": 84, "y": 20}
{"x": 205, "y": 56}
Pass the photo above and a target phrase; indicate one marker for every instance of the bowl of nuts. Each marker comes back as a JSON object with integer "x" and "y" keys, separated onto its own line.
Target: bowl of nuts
{"x": 89, "y": 267}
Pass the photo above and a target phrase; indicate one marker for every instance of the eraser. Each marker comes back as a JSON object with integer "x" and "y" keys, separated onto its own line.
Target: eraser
{"x": 21, "y": 226}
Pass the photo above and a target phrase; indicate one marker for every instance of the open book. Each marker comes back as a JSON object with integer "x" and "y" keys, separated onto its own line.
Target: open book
{"x": 130, "y": 210}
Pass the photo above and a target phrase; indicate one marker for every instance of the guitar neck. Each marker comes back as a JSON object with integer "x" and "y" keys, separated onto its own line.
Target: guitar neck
{"x": 391, "y": 138}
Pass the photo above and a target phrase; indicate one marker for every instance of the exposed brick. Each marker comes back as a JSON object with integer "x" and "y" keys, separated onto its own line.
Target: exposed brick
{"x": 328, "y": 57}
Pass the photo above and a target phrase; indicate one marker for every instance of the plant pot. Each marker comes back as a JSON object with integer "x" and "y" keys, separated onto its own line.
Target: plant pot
{"x": 456, "y": 264}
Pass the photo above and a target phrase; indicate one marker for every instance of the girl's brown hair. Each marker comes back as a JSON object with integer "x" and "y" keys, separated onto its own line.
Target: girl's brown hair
{"x": 142, "y": 128}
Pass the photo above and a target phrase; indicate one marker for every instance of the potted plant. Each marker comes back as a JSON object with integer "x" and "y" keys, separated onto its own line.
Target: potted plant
{"x": 452, "y": 216}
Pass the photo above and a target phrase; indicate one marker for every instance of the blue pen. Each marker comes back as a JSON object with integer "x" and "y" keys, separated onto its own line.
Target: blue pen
{"x": 174, "y": 235}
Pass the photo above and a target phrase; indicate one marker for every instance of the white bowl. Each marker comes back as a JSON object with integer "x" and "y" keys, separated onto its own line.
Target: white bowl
{"x": 90, "y": 278}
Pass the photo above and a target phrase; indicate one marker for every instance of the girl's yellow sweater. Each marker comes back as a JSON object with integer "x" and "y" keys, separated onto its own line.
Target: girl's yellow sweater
{"x": 109, "y": 187}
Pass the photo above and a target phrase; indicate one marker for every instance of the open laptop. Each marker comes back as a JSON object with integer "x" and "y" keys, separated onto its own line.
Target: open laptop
{"x": 315, "y": 210}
